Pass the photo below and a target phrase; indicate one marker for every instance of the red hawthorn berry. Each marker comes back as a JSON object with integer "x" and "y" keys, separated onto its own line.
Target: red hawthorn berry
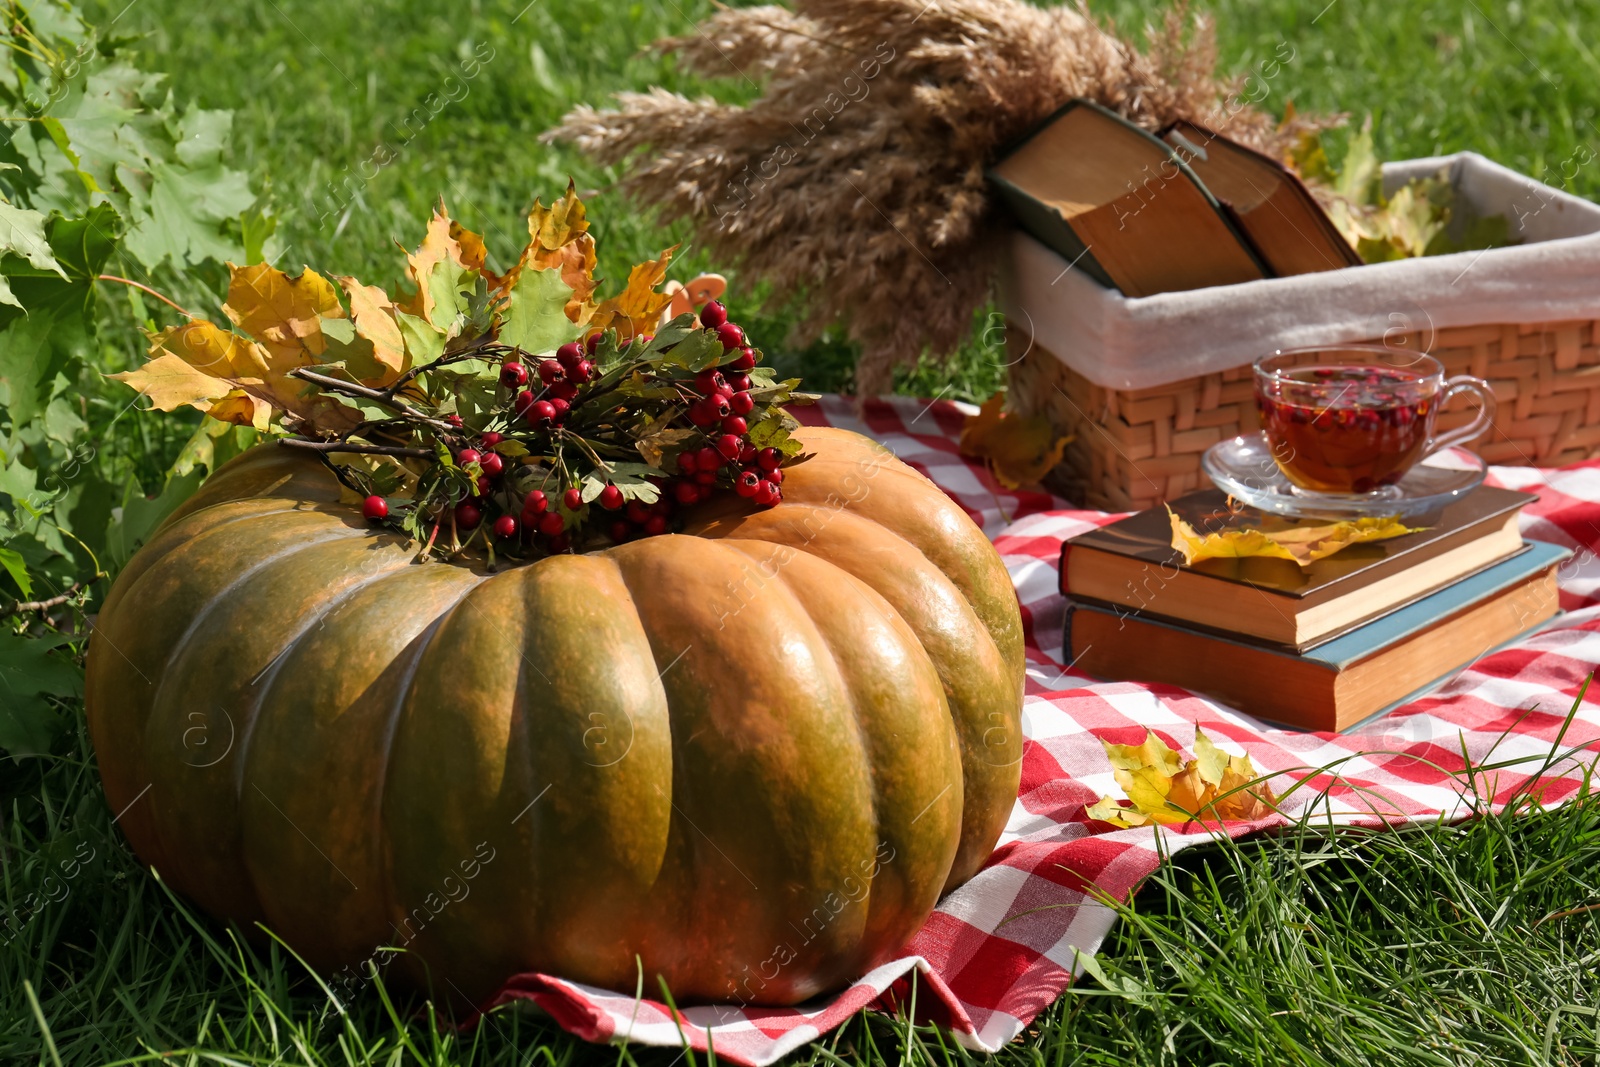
{"x": 701, "y": 413}
{"x": 731, "y": 337}
{"x": 484, "y": 485}
{"x": 541, "y": 411}
{"x": 767, "y": 494}
{"x": 746, "y": 360}
{"x": 713, "y": 315}
{"x": 375, "y": 509}
{"x": 591, "y": 343}
{"x": 638, "y": 512}
{"x": 570, "y": 355}
{"x": 491, "y": 439}
{"x": 467, "y": 515}
{"x": 738, "y": 381}
{"x": 747, "y": 483}
{"x": 551, "y": 523}
{"x": 655, "y": 525}
{"x": 505, "y": 527}
{"x": 583, "y": 371}
{"x": 775, "y": 476}
{"x": 709, "y": 382}
{"x": 492, "y": 464}
{"x": 728, "y": 445}
{"x": 524, "y": 401}
{"x": 770, "y": 459}
{"x": 707, "y": 459}
{"x": 662, "y": 507}
{"x": 742, "y": 403}
{"x": 559, "y": 543}
{"x": 620, "y": 531}
{"x": 718, "y": 405}
{"x": 563, "y": 391}
{"x": 747, "y": 455}
{"x": 513, "y": 375}
{"x": 686, "y": 493}
{"x": 687, "y": 464}
{"x": 468, "y": 456}
{"x": 735, "y": 425}
{"x": 572, "y": 499}
{"x": 535, "y": 503}
{"x": 453, "y": 420}
{"x": 611, "y": 498}
{"x": 705, "y": 477}
{"x": 550, "y": 371}
{"x": 560, "y": 407}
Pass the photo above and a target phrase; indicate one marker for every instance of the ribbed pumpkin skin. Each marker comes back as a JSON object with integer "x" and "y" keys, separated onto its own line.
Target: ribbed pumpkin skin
{"x": 751, "y": 756}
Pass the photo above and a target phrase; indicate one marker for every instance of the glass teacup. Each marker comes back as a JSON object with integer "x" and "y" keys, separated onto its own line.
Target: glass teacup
{"x": 1353, "y": 419}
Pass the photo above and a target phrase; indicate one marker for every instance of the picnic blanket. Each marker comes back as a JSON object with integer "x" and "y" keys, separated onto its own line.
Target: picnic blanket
{"x": 1001, "y": 948}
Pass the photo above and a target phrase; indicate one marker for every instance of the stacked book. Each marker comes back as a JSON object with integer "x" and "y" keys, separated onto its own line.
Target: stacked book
{"x": 1323, "y": 646}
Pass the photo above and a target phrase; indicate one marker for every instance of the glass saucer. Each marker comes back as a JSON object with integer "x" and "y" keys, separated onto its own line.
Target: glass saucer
{"x": 1243, "y": 468}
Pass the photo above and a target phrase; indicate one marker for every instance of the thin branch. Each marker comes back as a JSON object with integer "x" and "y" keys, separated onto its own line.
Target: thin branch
{"x": 308, "y": 445}
{"x": 23, "y": 607}
{"x": 377, "y": 396}
{"x": 145, "y": 288}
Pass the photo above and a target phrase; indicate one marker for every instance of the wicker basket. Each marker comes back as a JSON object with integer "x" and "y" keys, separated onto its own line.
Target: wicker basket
{"x": 1134, "y": 448}
{"x": 1143, "y": 408}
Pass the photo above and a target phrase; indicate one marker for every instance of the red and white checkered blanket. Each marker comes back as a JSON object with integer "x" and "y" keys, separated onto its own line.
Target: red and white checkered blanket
{"x": 1002, "y": 947}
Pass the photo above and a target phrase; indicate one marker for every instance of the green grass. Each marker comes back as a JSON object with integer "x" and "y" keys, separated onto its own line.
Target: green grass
{"x": 1435, "y": 945}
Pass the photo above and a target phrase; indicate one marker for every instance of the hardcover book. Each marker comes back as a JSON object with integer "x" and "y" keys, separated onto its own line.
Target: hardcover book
{"x": 1342, "y": 682}
{"x": 1131, "y": 564}
{"x": 1122, "y": 206}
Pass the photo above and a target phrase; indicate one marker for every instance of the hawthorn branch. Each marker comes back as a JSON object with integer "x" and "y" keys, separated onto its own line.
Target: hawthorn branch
{"x": 377, "y": 396}
{"x": 308, "y": 445}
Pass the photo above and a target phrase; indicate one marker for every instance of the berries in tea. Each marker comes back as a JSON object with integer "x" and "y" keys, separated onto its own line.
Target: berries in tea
{"x": 1347, "y": 429}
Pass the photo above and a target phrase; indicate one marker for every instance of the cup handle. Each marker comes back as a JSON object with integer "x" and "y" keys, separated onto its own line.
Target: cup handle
{"x": 1486, "y": 406}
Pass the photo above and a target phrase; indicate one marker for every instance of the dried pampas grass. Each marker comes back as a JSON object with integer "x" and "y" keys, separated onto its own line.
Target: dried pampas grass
{"x": 855, "y": 180}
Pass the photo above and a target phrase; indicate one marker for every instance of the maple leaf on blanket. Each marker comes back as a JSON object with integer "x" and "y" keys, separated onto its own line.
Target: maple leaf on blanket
{"x": 1163, "y": 789}
{"x": 1020, "y": 449}
{"x": 1304, "y": 544}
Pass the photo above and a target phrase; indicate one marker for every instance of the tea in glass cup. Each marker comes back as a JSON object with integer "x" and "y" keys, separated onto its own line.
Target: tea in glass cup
{"x": 1354, "y": 419}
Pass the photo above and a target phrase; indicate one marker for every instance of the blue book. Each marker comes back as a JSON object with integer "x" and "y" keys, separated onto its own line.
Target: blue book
{"x": 1344, "y": 681}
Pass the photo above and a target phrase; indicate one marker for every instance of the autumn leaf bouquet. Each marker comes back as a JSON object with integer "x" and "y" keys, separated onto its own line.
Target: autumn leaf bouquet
{"x": 510, "y": 413}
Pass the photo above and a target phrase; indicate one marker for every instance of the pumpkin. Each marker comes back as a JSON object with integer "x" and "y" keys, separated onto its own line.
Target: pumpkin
{"x": 747, "y": 758}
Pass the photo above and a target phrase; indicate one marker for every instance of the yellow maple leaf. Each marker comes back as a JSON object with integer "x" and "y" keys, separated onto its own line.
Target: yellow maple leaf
{"x": 232, "y": 379}
{"x": 1163, "y": 789}
{"x": 1020, "y": 449}
{"x": 284, "y": 314}
{"x": 439, "y": 269}
{"x": 372, "y": 314}
{"x": 1301, "y": 542}
{"x": 635, "y": 310}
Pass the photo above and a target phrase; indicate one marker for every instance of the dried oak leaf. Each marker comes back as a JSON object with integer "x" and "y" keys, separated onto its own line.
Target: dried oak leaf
{"x": 373, "y": 315}
{"x": 1020, "y": 449}
{"x": 1163, "y": 789}
{"x": 442, "y": 270}
{"x": 559, "y": 239}
{"x": 1304, "y": 544}
{"x": 233, "y": 380}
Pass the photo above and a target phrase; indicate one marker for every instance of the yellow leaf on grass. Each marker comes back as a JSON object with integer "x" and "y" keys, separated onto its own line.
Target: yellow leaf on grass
{"x": 1020, "y": 449}
{"x": 284, "y": 314}
{"x": 1304, "y": 544}
{"x": 1164, "y": 789}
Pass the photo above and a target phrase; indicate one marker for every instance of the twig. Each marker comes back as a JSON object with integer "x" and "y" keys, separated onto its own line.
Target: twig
{"x": 354, "y": 449}
{"x": 377, "y": 396}
{"x": 146, "y": 289}
{"x": 23, "y": 607}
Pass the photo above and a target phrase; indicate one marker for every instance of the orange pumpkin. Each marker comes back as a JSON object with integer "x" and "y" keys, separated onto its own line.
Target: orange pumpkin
{"x": 749, "y": 757}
